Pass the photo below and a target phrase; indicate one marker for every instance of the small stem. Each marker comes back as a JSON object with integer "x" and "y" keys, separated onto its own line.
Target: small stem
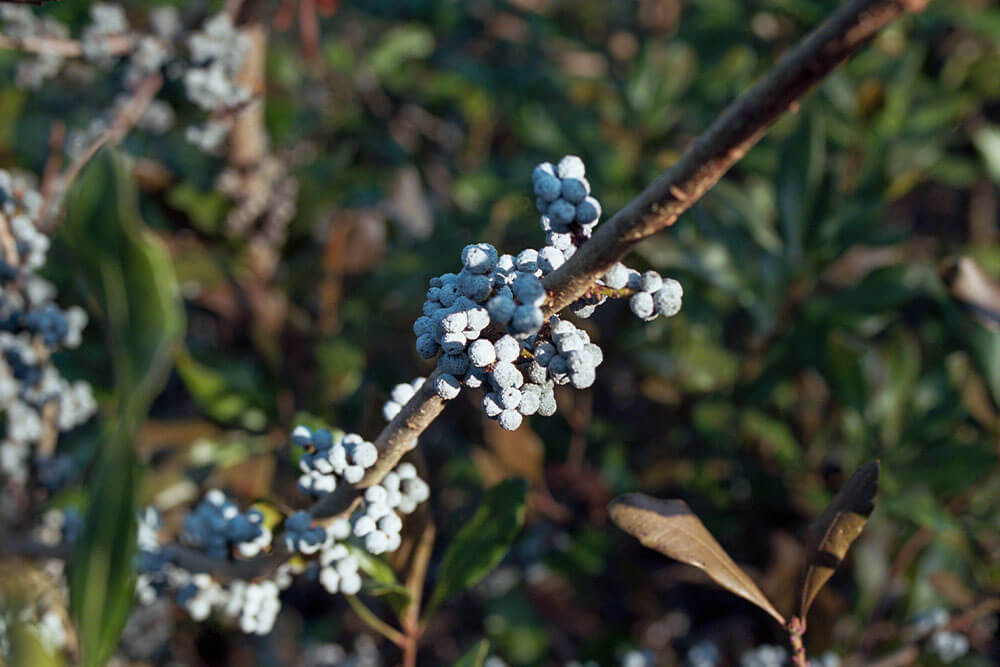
{"x": 122, "y": 124}
{"x": 376, "y": 623}
{"x": 796, "y": 628}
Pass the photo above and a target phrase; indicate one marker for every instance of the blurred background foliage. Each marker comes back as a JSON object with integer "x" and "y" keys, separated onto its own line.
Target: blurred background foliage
{"x": 838, "y": 308}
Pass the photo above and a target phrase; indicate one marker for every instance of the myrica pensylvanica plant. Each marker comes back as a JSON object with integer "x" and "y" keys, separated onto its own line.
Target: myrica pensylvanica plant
{"x": 485, "y": 323}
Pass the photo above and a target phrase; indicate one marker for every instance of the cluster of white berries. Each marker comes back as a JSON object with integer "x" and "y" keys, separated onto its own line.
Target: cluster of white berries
{"x": 487, "y": 323}
{"x": 652, "y": 295}
{"x": 329, "y": 456}
{"x": 253, "y": 605}
{"x": 948, "y": 645}
{"x": 19, "y": 24}
{"x": 107, "y": 21}
{"x": 401, "y": 490}
{"x": 400, "y": 396}
{"x": 703, "y": 654}
{"x": 364, "y": 653}
{"x": 217, "y": 54}
{"x": 34, "y": 397}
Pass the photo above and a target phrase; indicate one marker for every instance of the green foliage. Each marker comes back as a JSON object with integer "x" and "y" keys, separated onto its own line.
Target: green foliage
{"x": 129, "y": 277}
{"x": 475, "y": 656}
{"x": 481, "y": 543}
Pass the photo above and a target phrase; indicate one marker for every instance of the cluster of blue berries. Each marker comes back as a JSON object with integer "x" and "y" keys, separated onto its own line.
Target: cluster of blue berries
{"x": 303, "y": 534}
{"x": 217, "y": 527}
{"x": 328, "y": 456}
{"x": 486, "y": 322}
{"x": 323, "y": 550}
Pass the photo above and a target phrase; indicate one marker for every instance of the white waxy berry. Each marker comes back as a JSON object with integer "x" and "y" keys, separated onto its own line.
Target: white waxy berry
{"x": 571, "y": 166}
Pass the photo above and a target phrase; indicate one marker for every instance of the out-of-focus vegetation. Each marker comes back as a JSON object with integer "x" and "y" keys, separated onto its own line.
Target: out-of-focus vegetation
{"x": 836, "y": 310}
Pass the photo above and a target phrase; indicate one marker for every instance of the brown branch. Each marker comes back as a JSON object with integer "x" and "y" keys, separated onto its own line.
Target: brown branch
{"x": 122, "y": 124}
{"x": 63, "y": 46}
{"x": 724, "y": 143}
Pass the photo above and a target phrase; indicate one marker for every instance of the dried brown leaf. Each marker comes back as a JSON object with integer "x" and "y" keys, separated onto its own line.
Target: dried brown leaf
{"x": 832, "y": 534}
{"x": 670, "y": 527}
{"x": 970, "y": 284}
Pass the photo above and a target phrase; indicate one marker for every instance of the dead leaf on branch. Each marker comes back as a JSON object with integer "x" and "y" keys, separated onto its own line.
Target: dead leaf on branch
{"x": 832, "y": 534}
{"x": 670, "y": 527}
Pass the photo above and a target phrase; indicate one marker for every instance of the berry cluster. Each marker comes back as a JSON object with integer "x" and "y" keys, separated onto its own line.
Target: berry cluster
{"x": 328, "y": 456}
{"x": 218, "y": 528}
{"x": 487, "y": 322}
{"x": 339, "y": 570}
{"x": 217, "y": 53}
{"x": 20, "y": 23}
{"x": 303, "y": 534}
{"x": 377, "y": 521}
{"x": 320, "y": 549}
{"x": 37, "y": 402}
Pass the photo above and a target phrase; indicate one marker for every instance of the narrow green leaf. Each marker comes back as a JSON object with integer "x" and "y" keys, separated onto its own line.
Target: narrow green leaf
{"x": 482, "y": 542}
{"x": 129, "y": 275}
{"x": 475, "y": 656}
{"x": 383, "y": 580}
{"x": 131, "y": 280}
{"x": 832, "y": 534}
{"x": 670, "y": 527}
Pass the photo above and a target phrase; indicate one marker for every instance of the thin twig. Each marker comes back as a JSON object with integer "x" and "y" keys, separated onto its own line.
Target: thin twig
{"x": 415, "y": 585}
{"x": 53, "y": 164}
{"x": 115, "y": 45}
{"x": 376, "y": 623}
{"x": 123, "y": 122}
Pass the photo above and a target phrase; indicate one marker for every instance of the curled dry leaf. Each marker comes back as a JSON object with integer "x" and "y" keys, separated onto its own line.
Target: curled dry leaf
{"x": 670, "y": 527}
{"x": 832, "y": 534}
{"x": 970, "y": 284}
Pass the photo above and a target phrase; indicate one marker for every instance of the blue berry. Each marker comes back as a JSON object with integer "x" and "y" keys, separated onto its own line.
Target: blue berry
{"x": 574, "y": 190}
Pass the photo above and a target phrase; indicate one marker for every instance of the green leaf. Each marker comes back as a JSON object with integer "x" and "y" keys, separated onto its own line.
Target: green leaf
{"x": 228, "y": 390}
{"x": 384, "y": 581}
{"x": 482, "y": 542}
{"x": 101, "y": 577}
{"x": 131, "y": 280}
{"x": 406, "y": 42}
{"x": 799, "y": 170}
{"x": 129, "y": 274}
{"x": 475, "y": 656}
{"x": 987, "y": 140}
{"x": 204, "y": 209}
